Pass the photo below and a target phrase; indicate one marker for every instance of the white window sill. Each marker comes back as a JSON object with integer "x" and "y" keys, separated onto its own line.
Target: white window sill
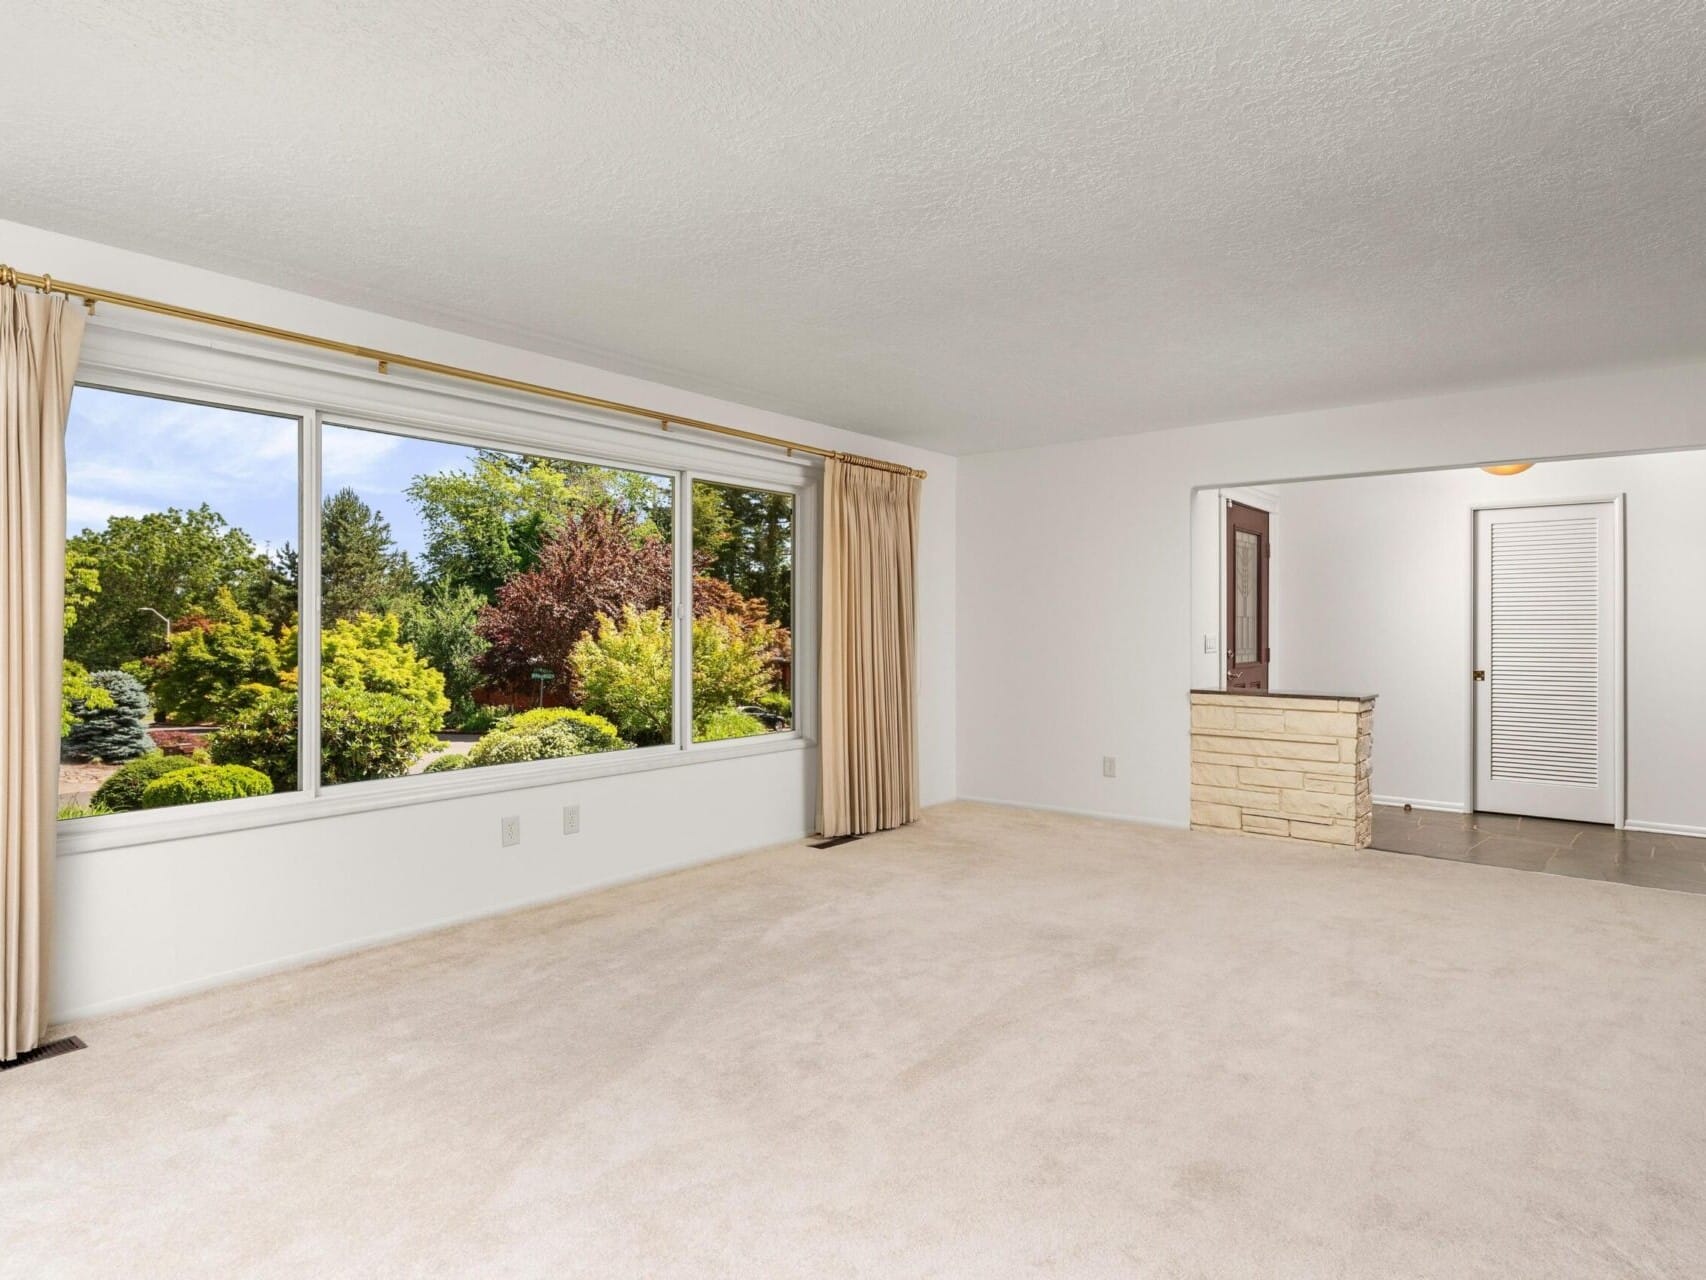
{"x": 125, "y": 830}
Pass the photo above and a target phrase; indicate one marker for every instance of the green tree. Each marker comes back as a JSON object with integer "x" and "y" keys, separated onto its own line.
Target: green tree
{"x": 82, "y": 583}
{"x": 360, "y": 565}
{"x": 626, "y": 674}
{"x": 439, "y": 623}
{"x": 77, "y": 692}
{"x": 214, "y": 663}
{"x": 489, "y": 522}
{"x": 367, "y": 653}
{"x": 751, "y": 546}
{"x": 381, "y": 706}
{"x": 112, "y": 729}
{"x": 734, "y": 660}
{"x": 275, "y": 599}
{"x": 172, "y": 561}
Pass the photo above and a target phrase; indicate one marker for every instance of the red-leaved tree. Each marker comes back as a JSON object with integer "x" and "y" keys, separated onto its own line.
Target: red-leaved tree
{"x": 596, "y": 564}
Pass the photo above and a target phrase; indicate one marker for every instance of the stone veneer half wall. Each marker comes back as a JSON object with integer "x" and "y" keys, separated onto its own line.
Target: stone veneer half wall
{"x": 1296, "y": 767}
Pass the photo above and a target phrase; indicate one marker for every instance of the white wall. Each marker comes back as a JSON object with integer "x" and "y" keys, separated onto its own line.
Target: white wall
{"x": 1075, "y": 615}
{"x": 143, "y": 922}
{"x": 1373, "y": 589}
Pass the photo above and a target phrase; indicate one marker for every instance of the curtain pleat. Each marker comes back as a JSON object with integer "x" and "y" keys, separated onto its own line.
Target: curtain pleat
{"x": 39, "y": 339}
{"x": 869, "y": 747}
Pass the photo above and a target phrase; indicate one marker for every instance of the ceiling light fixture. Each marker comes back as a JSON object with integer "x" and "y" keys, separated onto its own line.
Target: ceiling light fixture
{"x": 1508, "y": 468}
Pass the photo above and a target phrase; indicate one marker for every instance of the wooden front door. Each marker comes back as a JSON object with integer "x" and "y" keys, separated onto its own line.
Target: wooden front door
{"x": 1247, "y": 555}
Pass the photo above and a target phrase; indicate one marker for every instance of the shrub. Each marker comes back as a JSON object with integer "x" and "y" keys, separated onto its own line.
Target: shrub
{"x": 70, "y": 812}
{"x": 447, "y": 764}
{"x": 380, "y": 708}
{"x": 550, "y": 733}
{"x": 123, "y": 791}
{"x": 115, "y": 732}
{"x": 206, "y": 670}
{"x": 626, "y": 673}
{"x": 471, "y": 718}
{"x": 734, "y": 659}
{"x": 178, "y": 742}
{"x": 726, "y": 722}
{"x": 362, "y": 735}
{"x": 202, "y": 783}
{"x": 261, "y": 736}
{"x": 372, "y": 735}
{"x": 598, "y": 732}
{"x": 364, "y": 653}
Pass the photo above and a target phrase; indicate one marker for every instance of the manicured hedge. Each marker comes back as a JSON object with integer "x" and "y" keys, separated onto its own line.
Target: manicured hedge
{"x": 123, "y": 791}
{"x": 205, "y": 782}
{"x": 548, "y": 733}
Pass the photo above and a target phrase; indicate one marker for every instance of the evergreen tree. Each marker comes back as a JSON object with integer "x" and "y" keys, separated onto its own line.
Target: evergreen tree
{"x": 754, "y": 549}
{"x": 360, "y": 566}
{"x": 115, "y": 732}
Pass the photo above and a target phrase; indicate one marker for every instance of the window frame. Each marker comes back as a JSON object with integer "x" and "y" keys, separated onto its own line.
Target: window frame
{"x": 684, "y": 661}
{"x": 140, "y": 355}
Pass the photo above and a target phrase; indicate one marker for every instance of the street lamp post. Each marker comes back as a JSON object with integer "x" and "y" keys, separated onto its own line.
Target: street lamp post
{"x": 163, "y": 618}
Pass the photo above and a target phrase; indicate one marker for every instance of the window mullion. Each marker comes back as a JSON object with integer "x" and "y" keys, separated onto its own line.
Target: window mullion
{"x": 308, "y": 610}
{"x": 683, "y": 648}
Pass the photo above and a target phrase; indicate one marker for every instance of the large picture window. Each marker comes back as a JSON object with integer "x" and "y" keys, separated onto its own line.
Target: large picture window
{"x": 435, "y": 600}
{"x": 180, "y": 602}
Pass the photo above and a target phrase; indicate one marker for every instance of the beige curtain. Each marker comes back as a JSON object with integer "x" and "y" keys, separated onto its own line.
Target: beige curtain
{"x": 39, "y": 338}
{"x": 869, "y": 732}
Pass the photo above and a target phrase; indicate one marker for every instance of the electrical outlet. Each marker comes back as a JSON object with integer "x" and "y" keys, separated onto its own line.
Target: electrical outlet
{"x": 511, "y": 832}
{"x": 1107, "y": 766}
{"x": 571, "y": 819}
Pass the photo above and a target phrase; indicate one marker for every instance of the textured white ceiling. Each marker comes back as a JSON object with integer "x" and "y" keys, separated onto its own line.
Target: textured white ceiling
{"x": 969, "y": 226}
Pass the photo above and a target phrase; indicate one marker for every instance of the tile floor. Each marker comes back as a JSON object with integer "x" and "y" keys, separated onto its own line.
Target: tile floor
{"x": 1542, "y": 844}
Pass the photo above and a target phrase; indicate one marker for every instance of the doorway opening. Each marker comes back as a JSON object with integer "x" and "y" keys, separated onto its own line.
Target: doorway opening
{"x": 1560, "y": 584}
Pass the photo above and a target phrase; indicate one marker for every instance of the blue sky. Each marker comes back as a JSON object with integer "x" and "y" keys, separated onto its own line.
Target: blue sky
{"x": 129, "y": 454}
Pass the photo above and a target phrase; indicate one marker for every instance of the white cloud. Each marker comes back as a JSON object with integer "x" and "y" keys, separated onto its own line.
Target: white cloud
{"x": 90, "y": 511}
{"x": 348, "y": 457}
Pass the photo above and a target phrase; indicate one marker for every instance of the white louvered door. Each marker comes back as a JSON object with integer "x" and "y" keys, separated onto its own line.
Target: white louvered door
{"x": 1546, "y": 617}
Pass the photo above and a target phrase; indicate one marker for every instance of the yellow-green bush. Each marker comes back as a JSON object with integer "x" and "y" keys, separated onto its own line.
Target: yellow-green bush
{"x": 201, "y": 783}
{"x": 122, "y": 792}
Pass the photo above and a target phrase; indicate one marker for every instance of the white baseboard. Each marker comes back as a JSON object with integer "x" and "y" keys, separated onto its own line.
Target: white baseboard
{"x": 1433, "y": 806}
{"x": 1664, "y": 828}
{"x": 1169, "y": 823}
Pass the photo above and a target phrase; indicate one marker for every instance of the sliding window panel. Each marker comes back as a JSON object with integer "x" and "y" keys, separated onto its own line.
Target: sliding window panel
{"x": 180, "y": 604}
{"x": 743, "y": 611}
{"x": 482, "y": 607}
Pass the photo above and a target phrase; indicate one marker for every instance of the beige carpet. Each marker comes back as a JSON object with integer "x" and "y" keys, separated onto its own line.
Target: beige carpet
{"x": 996, "y": 1044}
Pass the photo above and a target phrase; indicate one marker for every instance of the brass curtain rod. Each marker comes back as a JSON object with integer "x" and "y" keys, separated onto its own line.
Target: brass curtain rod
{"x": 386, "y": 360}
